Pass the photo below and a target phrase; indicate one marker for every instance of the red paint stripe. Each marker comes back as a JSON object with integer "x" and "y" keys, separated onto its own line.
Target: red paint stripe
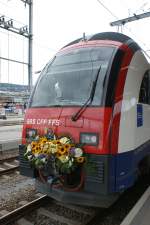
{"x": 97, "y": 43}
{"x": 119, "y": 97}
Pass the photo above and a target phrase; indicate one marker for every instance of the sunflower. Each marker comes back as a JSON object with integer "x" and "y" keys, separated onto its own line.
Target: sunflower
{"x": 58, "y": 155}
{"x": 80, "y": 159}
{"x": 45, "y": 151}
{"x": 33, "y": 144}
{"x": 43, "y": 140}
{"x": 62, "y": 150}
{"x": 40, "y": 151}
{"x": 67, "y": 147}
{"x": 37, "y": 149}
{"x": 33, "y": 149}
{"x": 54, "y": 142}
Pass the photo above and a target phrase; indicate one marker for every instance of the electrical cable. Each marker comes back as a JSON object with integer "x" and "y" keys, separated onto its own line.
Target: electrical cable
{"x": 123, "y": 3}
{"x": 110, "y": 12}
{"x": 107, "y": 9}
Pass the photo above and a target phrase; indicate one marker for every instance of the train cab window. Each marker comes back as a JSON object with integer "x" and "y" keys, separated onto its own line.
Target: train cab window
{"x": 144, "y": 96}
{"x": 69, "y": 78}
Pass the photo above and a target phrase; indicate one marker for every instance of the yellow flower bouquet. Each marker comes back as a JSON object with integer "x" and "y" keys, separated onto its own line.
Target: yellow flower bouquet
{"x": 63, "y": 155}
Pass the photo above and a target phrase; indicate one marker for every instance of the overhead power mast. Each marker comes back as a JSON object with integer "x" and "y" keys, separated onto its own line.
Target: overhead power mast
{"x": 24, "y": 31}
{"x": 30, "y": 37}
{"x": 135, "y": 17}
{"x": 30, "y": 44}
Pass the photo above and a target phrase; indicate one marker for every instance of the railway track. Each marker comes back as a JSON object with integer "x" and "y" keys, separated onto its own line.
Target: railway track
{"x": 47, "y": 211}
{"x": 16, "y": 214}
{"x": 8, "y": 165}
{"x": 43, "y": 207}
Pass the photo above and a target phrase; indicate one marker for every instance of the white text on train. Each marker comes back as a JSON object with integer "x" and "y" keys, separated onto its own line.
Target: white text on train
{"x": 52, "y": 122}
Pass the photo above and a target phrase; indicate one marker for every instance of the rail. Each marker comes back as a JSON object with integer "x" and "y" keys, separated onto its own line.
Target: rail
{"x": 21, "y": 211}
{"x": 9, "y": 170}
{"x": 7, "y": 165}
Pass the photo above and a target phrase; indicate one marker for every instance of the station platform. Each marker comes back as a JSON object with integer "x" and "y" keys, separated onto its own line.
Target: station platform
{"x": 140, "y": 213}
{"x": 11, "y": 120}
{"x": 10, "y": 137}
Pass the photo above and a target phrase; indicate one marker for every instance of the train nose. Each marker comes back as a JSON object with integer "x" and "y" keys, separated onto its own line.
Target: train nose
{"x": 69, "y": 123}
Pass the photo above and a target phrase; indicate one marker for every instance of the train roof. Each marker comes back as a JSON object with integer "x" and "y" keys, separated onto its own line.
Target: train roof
{"x": 112, "y": 36}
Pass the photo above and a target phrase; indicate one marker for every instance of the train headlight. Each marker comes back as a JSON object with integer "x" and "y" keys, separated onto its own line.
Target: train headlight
{"x": 89, "y": 138}
{"x": 31, "y": 133}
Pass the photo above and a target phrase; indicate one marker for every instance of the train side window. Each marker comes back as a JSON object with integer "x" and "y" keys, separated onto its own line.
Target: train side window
{"x": 144, "y": 96}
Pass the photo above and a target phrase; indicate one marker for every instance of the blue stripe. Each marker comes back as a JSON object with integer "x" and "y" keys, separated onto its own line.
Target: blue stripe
{"x": 123, "y": 168}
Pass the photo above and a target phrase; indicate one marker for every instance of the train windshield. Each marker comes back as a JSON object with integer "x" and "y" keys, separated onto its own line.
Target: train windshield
{"x": 68, "y": 79}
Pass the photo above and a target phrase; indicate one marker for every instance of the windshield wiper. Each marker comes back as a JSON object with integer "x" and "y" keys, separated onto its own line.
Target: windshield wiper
{"x": 76, "y": 116}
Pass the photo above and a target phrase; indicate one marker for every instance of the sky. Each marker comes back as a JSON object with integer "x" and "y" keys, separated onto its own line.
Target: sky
{"x": 58, "y": 22}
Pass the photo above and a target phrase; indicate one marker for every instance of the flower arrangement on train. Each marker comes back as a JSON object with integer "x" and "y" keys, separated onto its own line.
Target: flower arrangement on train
{"x": 63, "y": 155}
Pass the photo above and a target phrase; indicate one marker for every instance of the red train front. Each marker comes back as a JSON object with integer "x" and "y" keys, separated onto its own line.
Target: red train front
{"x": 71, "y": 127}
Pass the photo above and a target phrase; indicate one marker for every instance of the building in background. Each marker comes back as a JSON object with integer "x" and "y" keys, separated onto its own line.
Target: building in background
{"x": 13, "y": 98}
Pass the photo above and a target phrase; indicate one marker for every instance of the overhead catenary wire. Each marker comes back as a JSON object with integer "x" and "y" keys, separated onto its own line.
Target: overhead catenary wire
{"x": 11, "y": 16}
{"x": 36, "y": 42}
{"x": 112, "y": 14}
{"x": 108, "y": 10}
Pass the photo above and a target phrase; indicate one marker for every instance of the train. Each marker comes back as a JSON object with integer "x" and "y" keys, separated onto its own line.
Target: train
{"x": 86, "y": 131}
